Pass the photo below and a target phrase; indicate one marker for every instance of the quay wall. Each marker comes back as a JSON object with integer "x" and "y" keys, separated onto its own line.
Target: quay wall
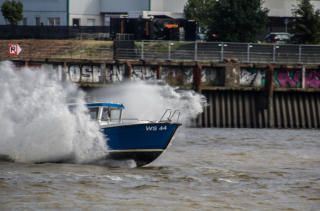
{"x": 239, "y": 95}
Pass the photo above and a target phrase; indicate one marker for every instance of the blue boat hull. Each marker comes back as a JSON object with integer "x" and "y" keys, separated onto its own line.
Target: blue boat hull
{"x": 142, "y": 143}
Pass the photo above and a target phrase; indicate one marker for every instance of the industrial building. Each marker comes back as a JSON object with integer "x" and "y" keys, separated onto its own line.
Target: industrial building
{"x": 148, "y": 19}
{"x": 93, "y": 12}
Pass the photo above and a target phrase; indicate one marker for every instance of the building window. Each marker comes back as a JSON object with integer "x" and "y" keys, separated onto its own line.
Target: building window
{"x": 75, "y": 22}
{"x": 38, "y": 21}
{"x": 54, "y": 21}
{"x": 91, "y": 22}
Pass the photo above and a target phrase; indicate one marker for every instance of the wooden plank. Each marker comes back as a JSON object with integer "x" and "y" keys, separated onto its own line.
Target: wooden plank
{"x": 234, "y": 109}
{"x": 277, "y": 111}
{"x": 307, "y": 109}
{"x": 229, "y": 112}
{"x": 217, "y": 110}
{"x": 253, "y": 111}
{"x": 205, "y": 114}
{"x": 302, "y": 111}
{"x": 289, "y": 106}
{"x": 260, "y": 118}
{"x": 247, "y": 110}
{"x": 265, "y": 118}
{"x": 284, "y": 111}
{"x": 211, "y": 109}
{"x": 314, "y": 111}
{"x": 296, "y": 112}
{"x": 317, "y": 103}
{"x": 223, "y": 109}
{"x": 240, "y": 111}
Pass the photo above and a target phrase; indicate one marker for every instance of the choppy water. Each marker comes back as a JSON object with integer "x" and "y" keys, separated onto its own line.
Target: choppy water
{"x": 204, "y": 169}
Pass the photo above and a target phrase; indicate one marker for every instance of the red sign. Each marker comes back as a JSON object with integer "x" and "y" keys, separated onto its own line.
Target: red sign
{"x": 14, "y": 49}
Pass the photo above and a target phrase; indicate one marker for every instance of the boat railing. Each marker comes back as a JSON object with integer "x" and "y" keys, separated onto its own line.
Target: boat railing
{"x": 170, "y": 114}
{"x": 128, "y": 120}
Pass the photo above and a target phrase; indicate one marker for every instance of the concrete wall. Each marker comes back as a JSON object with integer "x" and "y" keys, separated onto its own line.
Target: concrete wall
{"x": 291, "y": 101}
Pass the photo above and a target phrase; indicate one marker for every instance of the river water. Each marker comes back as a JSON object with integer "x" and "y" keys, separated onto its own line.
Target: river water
{"x": 204, "y": 169}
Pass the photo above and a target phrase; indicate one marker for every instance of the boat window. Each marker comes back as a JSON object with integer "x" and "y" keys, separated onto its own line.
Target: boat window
{"x": 111, "y": 114}
{"x": 93, "y": 112}
{"x": 105, "y": 114}
{"x": 115, "y": 115}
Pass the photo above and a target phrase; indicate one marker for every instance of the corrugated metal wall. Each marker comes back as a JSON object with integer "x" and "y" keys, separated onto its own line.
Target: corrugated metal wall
{"x": 241, "y": 109}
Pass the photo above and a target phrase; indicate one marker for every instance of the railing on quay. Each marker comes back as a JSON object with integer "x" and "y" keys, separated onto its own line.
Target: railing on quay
{"x": 166, "y": 50}
{"x": 219, "y": 51}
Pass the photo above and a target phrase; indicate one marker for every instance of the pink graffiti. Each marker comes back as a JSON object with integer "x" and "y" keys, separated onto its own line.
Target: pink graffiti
{"x": 313, "y": 79}
{"x": 288, "y": 78}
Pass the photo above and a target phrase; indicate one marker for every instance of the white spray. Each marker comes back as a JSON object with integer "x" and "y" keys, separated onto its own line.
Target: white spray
{"x": 36, "y": 124}
{"x": 148, "y": 101}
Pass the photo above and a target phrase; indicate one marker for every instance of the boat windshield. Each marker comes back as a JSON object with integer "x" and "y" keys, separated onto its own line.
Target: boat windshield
{"x": 111, "y": 114}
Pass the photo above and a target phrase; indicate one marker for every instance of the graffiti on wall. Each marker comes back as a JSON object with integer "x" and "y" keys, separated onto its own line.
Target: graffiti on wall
{"x": 177, "y": 76}
{"x": 213, "y": 76}
{"x": 85, "y": 73}
{"x": 252, "y": 77}
{"x": 144, "y": 73}
{"x": 287, "y": 78}
{"x": 95, "y": 74}
{"x": 312, "y": 79}
{"x": 114, "y": 73}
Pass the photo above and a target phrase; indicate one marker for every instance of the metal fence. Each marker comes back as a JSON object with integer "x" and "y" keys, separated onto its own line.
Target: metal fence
{"x": 165, "y": 50}
{"x": 219, "y": 51}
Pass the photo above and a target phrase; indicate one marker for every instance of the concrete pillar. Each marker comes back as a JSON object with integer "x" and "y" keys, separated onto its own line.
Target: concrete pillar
{"x": 303, "y": 77}
{"x": 197, "y": 75}
{"x": 103, "y": 67}
{"x": 232, "y": 75}
{"x": 158, "y": 72}
{"x": 65, "y": 72}
{"x": 269, "y": 88}
{"x": 128, "y": 70}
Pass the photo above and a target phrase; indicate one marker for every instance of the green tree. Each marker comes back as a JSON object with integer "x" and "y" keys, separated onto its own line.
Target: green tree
{"x": 12, "y": 11}
{"x": 199, "y": 11}
{"x": 306, "y": 24}
{"x": 237, "y": 20}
